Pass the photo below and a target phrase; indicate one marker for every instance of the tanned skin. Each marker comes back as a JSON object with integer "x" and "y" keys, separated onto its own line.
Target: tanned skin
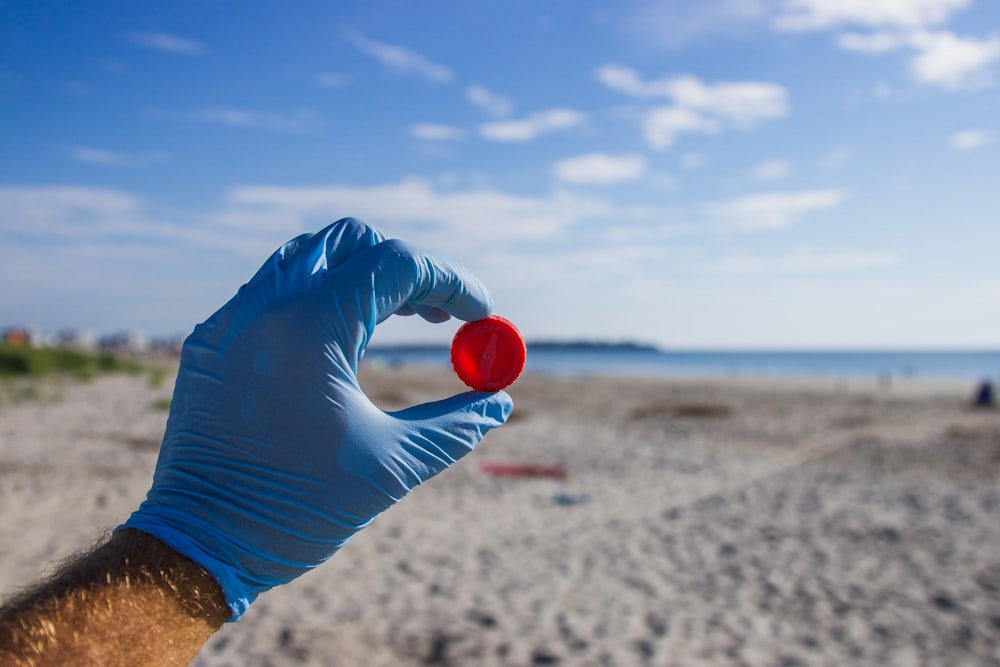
{"x": 130, "y": 602}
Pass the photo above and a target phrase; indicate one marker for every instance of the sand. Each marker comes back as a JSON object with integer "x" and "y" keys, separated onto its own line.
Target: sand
{"x": 700, "y": 522}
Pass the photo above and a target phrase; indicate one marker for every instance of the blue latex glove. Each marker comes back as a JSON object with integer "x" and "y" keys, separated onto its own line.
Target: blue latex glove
{"x": 273, "y": 457}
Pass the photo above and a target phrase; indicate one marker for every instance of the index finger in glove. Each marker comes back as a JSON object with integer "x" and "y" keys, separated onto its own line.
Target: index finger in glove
{"x": 394, "y": 273}
{"x": 429, "y": 313}
{"x": 301, "y": 262}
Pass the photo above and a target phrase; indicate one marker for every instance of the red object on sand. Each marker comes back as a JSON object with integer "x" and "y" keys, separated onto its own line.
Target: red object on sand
{"x": 488, "y": 354}
{"x": 523, "y": 470}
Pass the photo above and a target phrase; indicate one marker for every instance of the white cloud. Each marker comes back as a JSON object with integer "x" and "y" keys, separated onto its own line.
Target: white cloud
{"x": 776, "y": 210}
{"x": 107, "y": 158}
{"x": 675, "y": 23}
{"x": 401, "y": 60}
{"x": 132, "y": 270}
{"x": 446, "y": 218}
{"x": 939, "y": 58}
{"x": 698, "y": 107}
{"x": 626, "y": 80}
{"x": 126, "y": 268}
{"x": 743, "y": 102}
{"x": 434, "y": 132}
{"x": 873, "y": 43}
{"x": 807, "y": 260}
{"x": 600, "y": 169}
{"x": 300, "y": 121}
{"x": 968, "y": 140}
{"x": 490, "y": 102}
{"x": 253, "y": 220}
{"x": 951, "y": 62}
{"x": 167, "y": 43}
{"x": 771, "y": 170}
{"x": 72, "y": 215}
{"x": 531, "y": 127}
{"x": 661, "y": 126}
{"x": 800, "y": 15}
{"x": 58, "y": 210}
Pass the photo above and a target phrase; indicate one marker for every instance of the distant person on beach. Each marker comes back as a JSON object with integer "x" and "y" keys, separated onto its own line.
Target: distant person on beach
{"x": 273, "y": 457}
{"x": 985, "y": 397}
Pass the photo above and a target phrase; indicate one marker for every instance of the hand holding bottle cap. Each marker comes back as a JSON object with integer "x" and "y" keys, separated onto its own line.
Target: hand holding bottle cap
{"x": 488, "y": 354}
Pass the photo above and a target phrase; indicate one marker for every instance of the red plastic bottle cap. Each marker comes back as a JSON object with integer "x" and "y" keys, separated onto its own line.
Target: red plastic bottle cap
{"x": 488, "y": 354}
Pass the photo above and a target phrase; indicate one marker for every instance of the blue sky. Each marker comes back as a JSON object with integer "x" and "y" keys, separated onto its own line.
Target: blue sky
{"x": 721, "y": 173}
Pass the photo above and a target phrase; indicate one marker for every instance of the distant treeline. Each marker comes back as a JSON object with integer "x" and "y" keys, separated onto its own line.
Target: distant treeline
{"x": 592, "y": 345}
{"x": 569, "y": 346}
{"x": 19, "y": 361}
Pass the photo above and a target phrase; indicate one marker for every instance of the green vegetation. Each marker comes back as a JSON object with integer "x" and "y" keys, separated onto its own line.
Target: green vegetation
{"x": 39, "y": 374}
{"x": 35, "y": 362}
{"x": 161, "y": 404}
{"x": 158, "y": 375}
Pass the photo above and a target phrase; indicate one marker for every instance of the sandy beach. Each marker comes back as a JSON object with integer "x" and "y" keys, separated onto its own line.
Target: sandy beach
{"x": 699, "y": 522}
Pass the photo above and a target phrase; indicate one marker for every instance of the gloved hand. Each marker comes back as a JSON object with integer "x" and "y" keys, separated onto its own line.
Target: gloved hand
{"x": 273, "y": 457}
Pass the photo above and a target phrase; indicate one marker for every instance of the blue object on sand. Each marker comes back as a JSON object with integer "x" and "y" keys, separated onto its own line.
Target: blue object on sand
{"x": 569, "y": 499}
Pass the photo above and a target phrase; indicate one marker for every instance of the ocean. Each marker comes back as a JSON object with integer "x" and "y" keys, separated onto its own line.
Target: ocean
{"x": 968, "y": 365}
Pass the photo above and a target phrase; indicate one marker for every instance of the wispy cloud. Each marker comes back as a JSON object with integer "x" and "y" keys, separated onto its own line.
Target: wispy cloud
{"x": 400, "y": 60}
{"x": 771, "y": 170}
{"x": 490, "y": 102}
{"x": 118, "y": 253}
{"x": 299, "y": 121}
{"x": 771, "y": 210}
{"x": 251, "y": 220}
{"x": 107, "y": 158}
{"x": 75, "y": 214}
{"x": 697, "y": 107}
{"x": 530, "y": 128}
{"x": 872, "y": 43}
{"x": 742, "y": 102}
{"x": 693, "y": 160}
{"x": 65, "y": 211}
{"x": 167, "y": 43}
{"x": 116, "y": 242}
{"x": 661, "y": 126}
{"x": 434, "y": 132}
{"x": 808, "y": 260}
{"x": 600, "y": 169}
{"x": 676, "y": 23}
{"x": 493, "y": 214}
{"x": 939, "y": 58}
{"x": 951, "y": 62}
{"x": 626, "y": 80}
{"x": 837, "y": 157}
{"x": 968, "y": 140}
{"x": 801, "y": 15}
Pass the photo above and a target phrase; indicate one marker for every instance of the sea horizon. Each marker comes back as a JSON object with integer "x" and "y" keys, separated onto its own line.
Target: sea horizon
{"x": 599, "y": 358}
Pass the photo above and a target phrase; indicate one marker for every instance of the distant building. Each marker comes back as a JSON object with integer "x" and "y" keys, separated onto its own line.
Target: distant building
{"x": 18, "y": 337}
{"x": 76, "y": 339}
{"x": 127, "y": 342}
{"x": 170, "y": 346}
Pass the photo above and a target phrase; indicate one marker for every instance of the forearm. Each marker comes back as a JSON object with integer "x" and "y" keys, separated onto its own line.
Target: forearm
{"x": 132, "y": 601}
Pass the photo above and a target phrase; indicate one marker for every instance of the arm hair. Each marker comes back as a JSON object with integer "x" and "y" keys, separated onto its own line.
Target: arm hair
{"x": 130, "y": 600}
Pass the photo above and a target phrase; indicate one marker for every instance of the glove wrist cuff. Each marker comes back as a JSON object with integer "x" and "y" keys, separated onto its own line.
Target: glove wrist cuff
{"x": 237, "y": 593}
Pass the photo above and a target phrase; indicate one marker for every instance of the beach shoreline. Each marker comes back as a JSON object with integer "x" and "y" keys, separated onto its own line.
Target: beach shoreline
{"x": 700, "y": 521}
